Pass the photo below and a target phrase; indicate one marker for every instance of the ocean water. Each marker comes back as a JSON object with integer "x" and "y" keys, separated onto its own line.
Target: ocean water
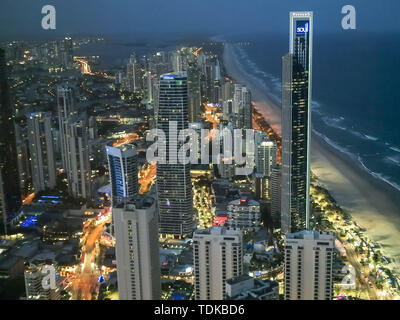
{"x": 356, "y": 93}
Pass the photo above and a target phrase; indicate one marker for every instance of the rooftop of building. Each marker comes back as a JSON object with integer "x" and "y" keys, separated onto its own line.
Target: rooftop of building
{"x": 181, "y": 75}
{"x": 218, "y": 231}
{"x": 141, "y": 202}
{"x": 244, "y": 201}
{"x": 238, "y": 279}
{"x": 310, "y": 235}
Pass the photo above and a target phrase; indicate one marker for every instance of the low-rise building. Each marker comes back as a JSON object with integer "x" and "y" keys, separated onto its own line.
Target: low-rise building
{"x": 246, "y": 288}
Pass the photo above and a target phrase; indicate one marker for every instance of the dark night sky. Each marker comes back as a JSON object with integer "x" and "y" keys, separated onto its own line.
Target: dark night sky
{"x": 23, "y": 17}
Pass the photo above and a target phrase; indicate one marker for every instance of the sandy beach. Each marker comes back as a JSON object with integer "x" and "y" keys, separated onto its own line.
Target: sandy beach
{"x": 373, "y": 204}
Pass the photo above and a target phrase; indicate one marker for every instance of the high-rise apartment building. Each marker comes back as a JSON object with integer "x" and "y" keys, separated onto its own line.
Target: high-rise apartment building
{"x": 137, "y": 250}
{"x": 41, "y": 151}
{"x": 66, "y": 108}
{"x": 308, "y": 265}
{"x": 122, "y": 164}
{"x": 266, "y": 157}
{"x": 10, "y": 196}
{"x": 275, "y": 186}
{"x": 134, "y": 74}
{"x": 78, "y": 168}
{"x": 174, "y": 188}
{"x": 242, "y": 107}
{"x": 194, "y": 94}
{"x": 218, "y": 256}
{"x": 296, "y": 124}
{"x": 74, "y": 136}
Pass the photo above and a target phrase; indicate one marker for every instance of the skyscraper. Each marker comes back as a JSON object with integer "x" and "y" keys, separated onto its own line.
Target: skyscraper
{"x": 134, "y": 74}
{"x": 66, "y": 111}
{"x": 67, "y": 53}
{"x": 242, "y": 107}
{"x": 174, "y": 187}
{"x": 122, "y": 164}
{"x": 23, "y": 157}
{"x": 266, "y": 157}
{"x": 194, "y": 94}
{"x": 74, "y": 135}
{"x": 137, "y": 250}
{"x": 10, "y": 196}
{"x": 78, "y": 163}
{"x": 244, "y": 214}
{"x": 296, "y": 124}
{"x": 275, "y": 193}
{"x": 308, "y": 265}
{"x": 218, "y": 256}
{"x": 41, "y": 151}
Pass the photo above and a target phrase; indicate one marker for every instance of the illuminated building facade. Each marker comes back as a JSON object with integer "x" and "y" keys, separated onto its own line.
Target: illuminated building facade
{"x": 10, "y": 196}
{"x": 244, "y": 214}
{"x": 296, "y": 124}
{"x": 122, "y": 164}
{"x": 174, "y": 187}
{"x": 41, "y": 151}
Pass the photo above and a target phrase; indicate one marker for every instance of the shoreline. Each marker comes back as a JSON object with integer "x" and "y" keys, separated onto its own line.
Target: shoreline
{"x": 372, "y": 204}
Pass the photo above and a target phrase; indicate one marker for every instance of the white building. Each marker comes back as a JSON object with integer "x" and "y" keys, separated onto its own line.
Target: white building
{"x": 77, "y": 159}
{"x": 217, "y": 255}
{"x": 308, "y": 265}
{"x": 244, "y": 214}
{"x": 266, "y": 157}
{"x": 242, "y": 107}
{"x": 174, "y": 188}
{"x": 137, "y": 250}
{"x": 296, "y": 124}
{"x": 41, "y": 151}
{"x": 246, "y": 288}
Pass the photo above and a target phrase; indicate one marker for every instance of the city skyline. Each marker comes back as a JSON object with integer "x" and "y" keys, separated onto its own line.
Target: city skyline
{"x": 191, "y": 169}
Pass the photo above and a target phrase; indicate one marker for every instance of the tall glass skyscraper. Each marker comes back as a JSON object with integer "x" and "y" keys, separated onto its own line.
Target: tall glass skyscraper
{"x": 41, "y": 151}
{"x": 10, "y": 197}
{"x": 296, "y": 124}
{"x": 174, "y": 188}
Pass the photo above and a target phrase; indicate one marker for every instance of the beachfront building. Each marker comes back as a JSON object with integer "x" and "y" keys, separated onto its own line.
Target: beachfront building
{"x": 242, "y": 107}
{"x": 217, "y": 256}
{"x": 137, "y": 250}
{"x": 174, "y": 188}
{"x": 308, "y": 265}
{"x": 296, "y": 124}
